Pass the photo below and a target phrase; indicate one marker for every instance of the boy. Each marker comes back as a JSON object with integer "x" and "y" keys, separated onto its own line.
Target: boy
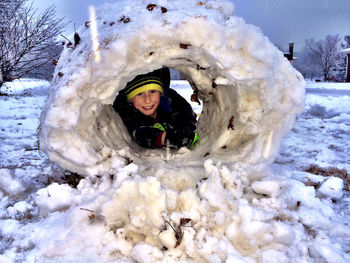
{"x": 154, "y": 114}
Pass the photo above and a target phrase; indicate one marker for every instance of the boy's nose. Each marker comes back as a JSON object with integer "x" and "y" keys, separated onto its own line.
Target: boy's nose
{"x": 147, "y": 97}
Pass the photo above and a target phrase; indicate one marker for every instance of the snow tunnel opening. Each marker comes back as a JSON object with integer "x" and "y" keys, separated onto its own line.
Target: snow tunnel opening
{"x": 117, "y": 131}
{"x": 223, "y": 134}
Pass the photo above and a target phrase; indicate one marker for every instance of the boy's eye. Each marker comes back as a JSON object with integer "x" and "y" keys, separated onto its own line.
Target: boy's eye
{"x": 153, "y": 91}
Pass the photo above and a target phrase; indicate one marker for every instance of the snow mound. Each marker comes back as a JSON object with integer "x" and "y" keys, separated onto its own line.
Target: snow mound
{"x": 250, "y": 92}
{"x": 332, "y": 187}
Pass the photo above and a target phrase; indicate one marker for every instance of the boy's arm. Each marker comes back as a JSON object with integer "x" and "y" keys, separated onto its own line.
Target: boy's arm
{"x": 162, "y": 138}
{"x": 180, "y": 125}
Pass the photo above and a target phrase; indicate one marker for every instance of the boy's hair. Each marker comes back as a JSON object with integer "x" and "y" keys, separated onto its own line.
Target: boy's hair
{"x": 150, "y": 81}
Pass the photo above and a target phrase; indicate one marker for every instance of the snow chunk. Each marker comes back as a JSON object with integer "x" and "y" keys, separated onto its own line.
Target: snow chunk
{"x": 212, "y": 188}
{"x": 324, "y": 249}
{"x": 284, "y": 233}
{"x": 332, "y": 188}
{"x": 297, "y": 193}
{"x": 167, "y": 238}
{"x": 19, "y": 208}
{"x": 268, "y": 187}
{"x": 55, "y": 197}
{"x": 144, "y": 253}
{"x": 254, "y": 229}
{"x": 10, "y": 185}
{"x": 273, "y": 256}
{"x": 137, "y": 203}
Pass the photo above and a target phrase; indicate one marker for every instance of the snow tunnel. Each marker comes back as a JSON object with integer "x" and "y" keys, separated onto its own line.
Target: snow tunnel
{"x": 251, "y": 94}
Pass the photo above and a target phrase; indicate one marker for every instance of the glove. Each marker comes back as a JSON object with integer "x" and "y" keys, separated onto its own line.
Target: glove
{"x": 158, "y": 126}
{"x": 195, "y": 140}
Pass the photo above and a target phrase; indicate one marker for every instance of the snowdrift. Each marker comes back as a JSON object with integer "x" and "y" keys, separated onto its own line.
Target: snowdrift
{"x": 250, "y": 92}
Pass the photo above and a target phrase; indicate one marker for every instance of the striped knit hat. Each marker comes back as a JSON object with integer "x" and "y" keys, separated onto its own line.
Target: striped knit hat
{"x": 149, "y": 81}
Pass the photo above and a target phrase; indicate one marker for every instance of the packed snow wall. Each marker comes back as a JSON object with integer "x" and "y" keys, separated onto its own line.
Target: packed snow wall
{"x": 250, "y": 92}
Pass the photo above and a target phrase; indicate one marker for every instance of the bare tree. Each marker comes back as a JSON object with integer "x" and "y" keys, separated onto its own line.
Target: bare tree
{"x": 46, "y": 70}
{"x": 322, "y": 56}
{"x": 26, "y": 39}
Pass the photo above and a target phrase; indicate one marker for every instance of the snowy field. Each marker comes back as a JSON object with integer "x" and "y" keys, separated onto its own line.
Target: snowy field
{"x": 289, "y": 216}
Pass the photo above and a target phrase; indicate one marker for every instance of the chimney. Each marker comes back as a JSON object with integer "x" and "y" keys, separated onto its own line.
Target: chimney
{"x": 348, "y": 69}
{"x": 291, "y": 48}
{"x": 289, "y": 55}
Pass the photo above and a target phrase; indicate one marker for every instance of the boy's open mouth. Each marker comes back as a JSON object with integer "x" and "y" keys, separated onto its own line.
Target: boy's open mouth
{"x": 148, "y": 107}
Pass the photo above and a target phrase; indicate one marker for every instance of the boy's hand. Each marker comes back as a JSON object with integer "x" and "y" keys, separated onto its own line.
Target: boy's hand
{"x": 163, "y": 134}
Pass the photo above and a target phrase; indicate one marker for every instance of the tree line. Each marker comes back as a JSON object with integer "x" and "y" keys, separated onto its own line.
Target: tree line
{"x": 324, "y": 59}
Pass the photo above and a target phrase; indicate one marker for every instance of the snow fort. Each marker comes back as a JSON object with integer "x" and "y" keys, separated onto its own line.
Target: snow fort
{"x": 250, "y": 92}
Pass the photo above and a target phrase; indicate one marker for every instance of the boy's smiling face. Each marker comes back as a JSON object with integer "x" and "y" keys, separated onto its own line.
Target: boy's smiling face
{"x": 147, "y": 102}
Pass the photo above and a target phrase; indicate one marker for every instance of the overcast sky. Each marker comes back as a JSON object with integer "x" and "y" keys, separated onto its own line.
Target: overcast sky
{"x": 282, "y": 21}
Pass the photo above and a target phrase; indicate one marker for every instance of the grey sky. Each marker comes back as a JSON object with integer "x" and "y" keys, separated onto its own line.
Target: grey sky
{"x": 285, "y": 21}
{"x": 282, "y": 21}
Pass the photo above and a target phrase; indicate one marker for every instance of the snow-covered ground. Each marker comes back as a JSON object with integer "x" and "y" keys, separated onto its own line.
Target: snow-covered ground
{"x": 289, "y": 215}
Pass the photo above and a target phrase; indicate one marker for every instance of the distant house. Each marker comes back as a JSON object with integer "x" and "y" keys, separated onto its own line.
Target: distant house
{"x": 347, "y": 52}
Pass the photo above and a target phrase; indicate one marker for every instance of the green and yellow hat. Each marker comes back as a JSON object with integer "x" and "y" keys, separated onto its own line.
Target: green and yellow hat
{"x": 149, "y": 81}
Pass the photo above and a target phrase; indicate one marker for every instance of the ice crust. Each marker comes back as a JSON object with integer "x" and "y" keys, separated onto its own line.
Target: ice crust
{"x": 238, "y": 72}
